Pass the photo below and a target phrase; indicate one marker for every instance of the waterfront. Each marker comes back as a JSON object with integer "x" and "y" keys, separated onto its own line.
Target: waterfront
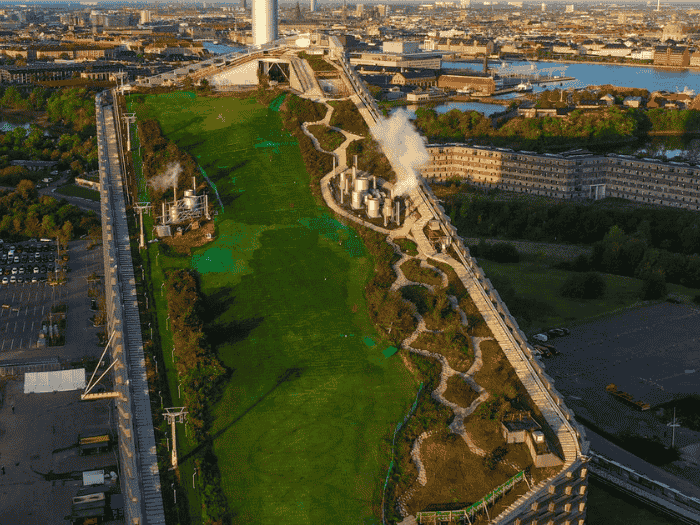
{"x": 444, "y": 107}
{"x": 646, "y": 77}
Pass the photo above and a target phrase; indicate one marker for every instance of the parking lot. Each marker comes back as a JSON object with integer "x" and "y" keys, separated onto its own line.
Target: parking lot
{"x": 38, "y": 438}
{"x": 650, "y": 352}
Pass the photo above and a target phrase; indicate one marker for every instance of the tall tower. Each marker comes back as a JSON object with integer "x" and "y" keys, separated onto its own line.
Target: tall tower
{"x": 265, "y": 16}
{"x": 312, "y": 6}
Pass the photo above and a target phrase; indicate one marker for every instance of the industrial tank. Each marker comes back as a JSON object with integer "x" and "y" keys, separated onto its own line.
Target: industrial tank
{"x": 373, "y": 207}
{"x": 357, "y": 200}
{"x": 190, "y": 200}
{"x": 361, "y": 184}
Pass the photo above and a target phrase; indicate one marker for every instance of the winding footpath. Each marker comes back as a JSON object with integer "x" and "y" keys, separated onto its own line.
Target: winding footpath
{"x": 412, "y": 229}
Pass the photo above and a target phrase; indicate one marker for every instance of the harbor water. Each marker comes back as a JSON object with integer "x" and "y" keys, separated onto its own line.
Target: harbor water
{"x": 645, "y": 77}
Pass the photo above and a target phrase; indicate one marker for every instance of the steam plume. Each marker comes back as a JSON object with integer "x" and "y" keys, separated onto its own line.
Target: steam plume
{"x": 168, "y": 178}
{"x": 404, "y": 147}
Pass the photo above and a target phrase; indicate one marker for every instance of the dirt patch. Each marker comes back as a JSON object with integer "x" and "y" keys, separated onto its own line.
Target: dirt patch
{"x": 455, "y": 348}
{"x": 459, "y": 392}
{"x": 184, "y": 243}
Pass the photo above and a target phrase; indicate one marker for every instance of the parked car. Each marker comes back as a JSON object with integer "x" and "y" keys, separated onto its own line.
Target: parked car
{"x": 36, "y": 269}
{"x": 5, "y": 280}
{"x": 558, "y": 332}
{"x": 540, "y": 337}
{"x": 13, "y": 279}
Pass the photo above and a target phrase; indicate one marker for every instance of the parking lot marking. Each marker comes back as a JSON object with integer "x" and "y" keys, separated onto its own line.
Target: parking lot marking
{"x": 15, "y": 330}
{"x": 13, "y": 344}
{"x": 24, "y": 326}
{"x": 32, "y": 328}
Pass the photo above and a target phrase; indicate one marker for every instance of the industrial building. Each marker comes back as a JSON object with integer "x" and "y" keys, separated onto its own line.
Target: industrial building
{"x": 572, "y": 175}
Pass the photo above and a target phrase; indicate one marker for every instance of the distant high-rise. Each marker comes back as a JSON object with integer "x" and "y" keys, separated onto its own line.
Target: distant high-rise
{"x": 544, "y": 7}
{"x": 145, "y": 17}
{"x": 244, "y": 5}
{"x": 312, "y": 6}
{"x": 265, "y": 17}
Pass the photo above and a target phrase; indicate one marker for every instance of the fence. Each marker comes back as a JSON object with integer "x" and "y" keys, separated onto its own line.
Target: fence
{"x": 469, "y": 512}
{"x": 22, "y": 366}
{"x": 393, "y": 441}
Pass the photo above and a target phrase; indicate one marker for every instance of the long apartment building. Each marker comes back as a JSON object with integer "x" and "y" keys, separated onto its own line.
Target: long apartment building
{"x": 571, "y": 175}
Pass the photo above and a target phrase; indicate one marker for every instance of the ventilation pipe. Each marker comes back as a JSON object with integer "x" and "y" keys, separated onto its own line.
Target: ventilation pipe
{"x": 374, "y": 182}
{"x": 194, "y": 185}
{"x": 165, "y": 221}
{"x": 333, "y": 164}
{"x": 341, "y": 186}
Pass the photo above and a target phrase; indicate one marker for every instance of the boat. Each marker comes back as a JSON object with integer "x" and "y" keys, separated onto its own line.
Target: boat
{"x": 523, "y": 87}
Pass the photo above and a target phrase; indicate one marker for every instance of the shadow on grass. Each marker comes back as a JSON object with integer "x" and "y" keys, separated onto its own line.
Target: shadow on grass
{"x": 221, "y": 331}
{"x": 290, "y": 374}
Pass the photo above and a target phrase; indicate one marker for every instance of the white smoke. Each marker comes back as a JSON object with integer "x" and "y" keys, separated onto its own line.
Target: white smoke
{"x": 404, "y": 147}
{"x": 168, "y": 178}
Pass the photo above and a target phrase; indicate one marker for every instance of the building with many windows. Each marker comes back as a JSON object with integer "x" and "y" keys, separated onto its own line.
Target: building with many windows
{"x": 573, "y": 175}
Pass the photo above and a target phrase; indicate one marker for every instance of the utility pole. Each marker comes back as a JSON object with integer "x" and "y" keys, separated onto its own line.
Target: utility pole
{"x": 673, "y": 426}
{"x": 175, "y": 415}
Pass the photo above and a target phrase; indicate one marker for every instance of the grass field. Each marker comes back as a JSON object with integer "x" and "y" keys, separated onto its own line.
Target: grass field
{"x": 73, "y": 190}
{"x": 538, "y": 303}
{"x": 303, "y": 427}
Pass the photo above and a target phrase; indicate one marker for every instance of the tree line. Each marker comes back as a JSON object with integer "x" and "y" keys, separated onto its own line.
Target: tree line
{"x": 25, "y": 214}
{"x": 200, "y": 373}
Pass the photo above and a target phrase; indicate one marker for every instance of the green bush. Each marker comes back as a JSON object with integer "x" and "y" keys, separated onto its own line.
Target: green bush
{"x": 589, "y": 285}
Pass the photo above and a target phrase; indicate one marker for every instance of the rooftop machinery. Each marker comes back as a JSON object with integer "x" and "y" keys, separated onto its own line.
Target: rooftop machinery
{"x": 190, "y": 207}
{"x": 364, "y": 194}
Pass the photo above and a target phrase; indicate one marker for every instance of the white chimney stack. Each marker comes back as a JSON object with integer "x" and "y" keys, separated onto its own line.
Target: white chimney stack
{"x": 194, "y": 185}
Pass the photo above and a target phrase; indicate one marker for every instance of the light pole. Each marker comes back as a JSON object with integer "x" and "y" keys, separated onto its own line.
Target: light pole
{"x": 673, "y": 427}
{"x": 193, "y": 475}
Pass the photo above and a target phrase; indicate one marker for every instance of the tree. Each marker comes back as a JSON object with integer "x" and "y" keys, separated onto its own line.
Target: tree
{"x": 27, "y": 190}
{"x": 65, "y": 234}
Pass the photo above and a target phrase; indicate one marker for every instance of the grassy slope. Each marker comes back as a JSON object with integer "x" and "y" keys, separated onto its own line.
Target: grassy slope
{"x": 302, "y": 427}
{"x": 540, "y": 285}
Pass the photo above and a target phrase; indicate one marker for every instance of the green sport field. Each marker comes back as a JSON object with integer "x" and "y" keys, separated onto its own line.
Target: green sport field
{"x": 304, "y": 426}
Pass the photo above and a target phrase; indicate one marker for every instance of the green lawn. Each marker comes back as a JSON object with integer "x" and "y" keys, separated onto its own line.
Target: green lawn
{"x": 74, "y": 190}
{"x": 303, "y": 428}
{"x": 539, "y": 305}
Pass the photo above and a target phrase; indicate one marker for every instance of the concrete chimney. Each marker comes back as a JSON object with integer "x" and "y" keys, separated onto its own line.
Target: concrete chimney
{"x": 374, "y": 182}
{"x": 164, "y": 218}
{"x": 333, "y": 164}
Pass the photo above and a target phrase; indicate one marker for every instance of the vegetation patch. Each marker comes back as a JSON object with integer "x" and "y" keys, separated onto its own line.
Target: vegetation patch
{"x": 73, "y": 190}
{"x": 346, "y": 116}
{"x": 458, "y": 391}
{"x": 413, "y": 271}
{"x": 429, "y": 415}
{"x": 316, "y": 62}
{"x": 451, "y": 343}
{"x": 328, "y": 138}
{"x": 407, "y": 246}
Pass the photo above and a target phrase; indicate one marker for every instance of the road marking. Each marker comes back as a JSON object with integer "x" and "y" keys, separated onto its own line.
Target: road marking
{"x": 24, "y": 326}
{"x": 13, "y": 344}
{"x": 3, "y": 344}
{"x": 32, "y": 328}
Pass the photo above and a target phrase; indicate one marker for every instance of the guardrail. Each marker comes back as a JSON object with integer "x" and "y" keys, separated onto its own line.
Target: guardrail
{"x": 482, "y": 504}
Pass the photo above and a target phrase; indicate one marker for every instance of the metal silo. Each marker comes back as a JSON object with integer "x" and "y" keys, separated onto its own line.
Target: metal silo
{"x": 356, "y": 200}
{"x": 265, "y": 16}
{"x": 373, "y": 207}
